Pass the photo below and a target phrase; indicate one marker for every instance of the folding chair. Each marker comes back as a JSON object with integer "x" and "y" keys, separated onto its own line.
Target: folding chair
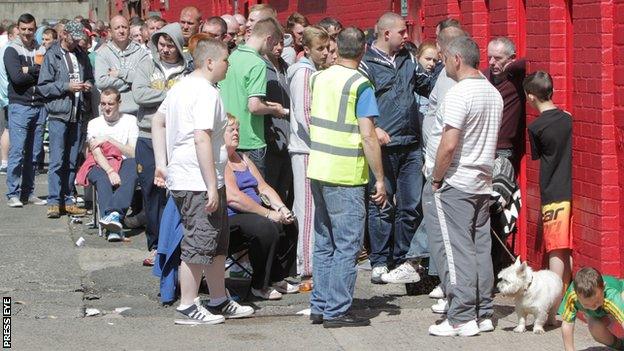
{"x": 95, "y": 212}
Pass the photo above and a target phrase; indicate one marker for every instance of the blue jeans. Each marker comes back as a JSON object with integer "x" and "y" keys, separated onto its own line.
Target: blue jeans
{"x": 339, "y": 230}
{"x": 25, "y": 123}
{"x": 115, "y": 199}
{"x": 391, "y": 229}
{"x": 419, "y": 248}
{"x": 258, "y": 157}
{"x": 38, "y": 154}
{"x": 65, "y": 140}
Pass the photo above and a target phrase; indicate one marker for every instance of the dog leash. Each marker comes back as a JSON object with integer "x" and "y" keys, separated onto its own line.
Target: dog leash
{"x": 513, "y": 258}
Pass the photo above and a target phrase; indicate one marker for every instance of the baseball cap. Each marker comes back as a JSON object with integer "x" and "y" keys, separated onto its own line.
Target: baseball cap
{"x": 75, "y": 30}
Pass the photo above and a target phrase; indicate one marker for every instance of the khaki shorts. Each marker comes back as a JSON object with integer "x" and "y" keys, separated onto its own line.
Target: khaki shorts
{"x": 205, "y": 235}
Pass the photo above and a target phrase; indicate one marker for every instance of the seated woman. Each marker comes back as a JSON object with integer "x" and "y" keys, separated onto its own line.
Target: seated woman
{"x": 115, "y": 183}
{"x": 270, "y": 233}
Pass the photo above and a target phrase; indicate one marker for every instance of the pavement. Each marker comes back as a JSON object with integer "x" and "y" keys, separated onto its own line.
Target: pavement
{"x": 52, "y": 282}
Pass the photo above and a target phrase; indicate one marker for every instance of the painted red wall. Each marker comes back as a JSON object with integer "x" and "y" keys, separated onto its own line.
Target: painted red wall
{"x": 581, "y": 44}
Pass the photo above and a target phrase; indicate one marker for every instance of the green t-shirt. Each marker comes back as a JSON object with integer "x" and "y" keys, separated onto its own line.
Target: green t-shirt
{"x": 613, "y": 304}
{"x": 246, "y": 77}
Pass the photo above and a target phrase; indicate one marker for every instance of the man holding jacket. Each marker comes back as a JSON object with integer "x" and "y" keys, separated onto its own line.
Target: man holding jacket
{"x": 65, "y": 83}
{"x": 395, "y": 77}
{"x": 25, "y": 111}
{"x": 153, "y": 79}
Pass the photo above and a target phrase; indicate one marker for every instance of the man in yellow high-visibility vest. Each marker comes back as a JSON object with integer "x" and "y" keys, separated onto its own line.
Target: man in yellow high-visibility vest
{"x": 343, "y": 144}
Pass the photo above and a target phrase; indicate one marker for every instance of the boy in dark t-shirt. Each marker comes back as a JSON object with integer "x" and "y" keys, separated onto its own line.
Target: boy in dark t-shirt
{"x": 551, "y": 142}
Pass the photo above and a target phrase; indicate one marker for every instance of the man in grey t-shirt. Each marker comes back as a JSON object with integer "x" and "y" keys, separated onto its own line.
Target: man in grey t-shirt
{"x": 456, "y": 196}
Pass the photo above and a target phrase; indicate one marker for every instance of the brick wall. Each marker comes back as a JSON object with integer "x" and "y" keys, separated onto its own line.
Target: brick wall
{"x": 581, "y": 44}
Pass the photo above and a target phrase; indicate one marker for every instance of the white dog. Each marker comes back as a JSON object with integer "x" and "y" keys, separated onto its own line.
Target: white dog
{"x": 536, "y": 293}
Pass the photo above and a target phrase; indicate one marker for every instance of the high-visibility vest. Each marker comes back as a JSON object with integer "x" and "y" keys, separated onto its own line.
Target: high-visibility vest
{"x": 336, "y": 153}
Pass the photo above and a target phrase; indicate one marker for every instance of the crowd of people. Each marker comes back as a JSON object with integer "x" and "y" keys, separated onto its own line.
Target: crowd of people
{"x": 311, "y": 144}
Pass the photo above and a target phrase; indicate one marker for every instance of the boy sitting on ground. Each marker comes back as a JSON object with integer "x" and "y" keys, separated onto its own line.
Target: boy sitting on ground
{"x": 600, "y": 298}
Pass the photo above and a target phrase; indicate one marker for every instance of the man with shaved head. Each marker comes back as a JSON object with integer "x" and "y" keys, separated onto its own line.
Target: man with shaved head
{"x": 215, "y": 27}
{"x": 256, "y": 14}
{"x": 190, "y": 19}
{"x": 232, "y": 30}
{"x": 390, "y": 68}
{"x": 116, "y": 63}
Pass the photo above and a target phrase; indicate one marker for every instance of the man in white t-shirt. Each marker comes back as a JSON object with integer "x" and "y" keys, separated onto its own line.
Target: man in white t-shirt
{"x": 190, "y": 154}
{"x": 114, "y": 183}
{"x": 456, "y": 196}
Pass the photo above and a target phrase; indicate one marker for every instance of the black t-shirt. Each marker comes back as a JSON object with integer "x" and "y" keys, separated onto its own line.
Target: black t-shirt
{"x": 551, "y": 141}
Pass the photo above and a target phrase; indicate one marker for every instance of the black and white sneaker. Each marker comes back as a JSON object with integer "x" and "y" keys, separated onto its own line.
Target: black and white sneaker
{"x": 230, "y": 309}
{"x": 197, "y": 314}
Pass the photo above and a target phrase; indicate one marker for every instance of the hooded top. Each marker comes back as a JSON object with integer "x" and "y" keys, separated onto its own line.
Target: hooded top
{"x": 22, "y": 88}
{"x": 125, "y": 61}
{"x": 298, "y": 76}
{"x": 153, "y": 78}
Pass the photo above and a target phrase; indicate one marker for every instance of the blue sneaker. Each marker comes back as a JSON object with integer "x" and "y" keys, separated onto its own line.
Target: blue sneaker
{"x": 111, "y": 222}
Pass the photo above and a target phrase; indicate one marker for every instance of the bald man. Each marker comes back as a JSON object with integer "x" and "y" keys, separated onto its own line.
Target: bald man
{"x": 190, "y": 19}
{"x": 232, "y": 29}
{"x": 390, "y": 67}
{"x": 116, "y": 63}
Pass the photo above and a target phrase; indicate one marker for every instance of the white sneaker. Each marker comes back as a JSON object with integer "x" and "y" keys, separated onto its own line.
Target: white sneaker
{"x": 229, "y": 309}
{"x": 486, "y": 325}
{"x": 437, "y": 293}
{"x": 285, "y": 287}
{"x": 440, "y": 307}
{"x": 197, "y": 314}
{"x": 446, "y": 329}
{"x": 377, "y": 273}
{"x": 403, "y": 274}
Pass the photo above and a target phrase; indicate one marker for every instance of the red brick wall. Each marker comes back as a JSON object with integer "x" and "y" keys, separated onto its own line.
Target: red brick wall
{"x": 581, "y": 44}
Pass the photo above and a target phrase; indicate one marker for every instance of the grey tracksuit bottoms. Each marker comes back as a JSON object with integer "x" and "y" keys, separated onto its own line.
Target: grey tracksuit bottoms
{"x": 458, "y": 226}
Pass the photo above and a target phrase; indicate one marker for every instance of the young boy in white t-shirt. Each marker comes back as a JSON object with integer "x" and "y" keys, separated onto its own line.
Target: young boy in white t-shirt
{"x": 115, "y": 184}
{"x": 190, "y": 156}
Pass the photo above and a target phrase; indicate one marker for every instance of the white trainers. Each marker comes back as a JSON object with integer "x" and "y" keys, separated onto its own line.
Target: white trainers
{"x": 403, "y": 274}
{"x": 377, "y": 273}
{"x": 285, "y": 287}
{"x": 440, "y": 307}
{"x": 230, "y": 309}
{"x": 486, "y": 325}
{"x": 267, "y": 293}
{"x": 196, "y": 314}
{"x": 446, "y": 329}
{"x": 437, "y": 293}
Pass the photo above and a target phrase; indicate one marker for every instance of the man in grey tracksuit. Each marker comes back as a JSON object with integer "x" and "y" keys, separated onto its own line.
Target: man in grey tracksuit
{"x": 116, "y": 64}
{"x": 153, "y": 78}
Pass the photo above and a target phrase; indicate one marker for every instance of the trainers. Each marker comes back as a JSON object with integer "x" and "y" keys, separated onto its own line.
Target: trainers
{"x": 230, "y": 309}
{"x": 114, "y": 237}
{"x": 54, "y": 211}
{"x": 403, "y": 274}
{"x": 74, "y": 210}
{"x": 285, "y": 287}
{"x": 437, "y": 293}
{"x": 440, "y": 307}
{"x": 15, "y": 202}
{"x": 486, "y": 325}
{"x": 3, "y": 169}
{"x": 33, "y": 200}
{"x": 266, "y": 293}
{"x": 377, "y": 273}
{"x": 111, "y": 222}
{"x": 446, "y": 329}
{"x": 197, "y": 314}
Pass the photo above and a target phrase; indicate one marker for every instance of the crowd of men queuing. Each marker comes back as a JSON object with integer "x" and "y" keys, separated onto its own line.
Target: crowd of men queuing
{"x": 294, "y": 139}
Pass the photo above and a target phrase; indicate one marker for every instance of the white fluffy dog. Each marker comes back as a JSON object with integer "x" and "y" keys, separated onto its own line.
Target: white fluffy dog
{"x": 536, "y": 293}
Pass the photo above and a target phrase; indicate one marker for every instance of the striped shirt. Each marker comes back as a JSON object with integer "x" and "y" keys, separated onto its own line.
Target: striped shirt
{"x": 612, "y": 306}
{"x": 475, "y": 107}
